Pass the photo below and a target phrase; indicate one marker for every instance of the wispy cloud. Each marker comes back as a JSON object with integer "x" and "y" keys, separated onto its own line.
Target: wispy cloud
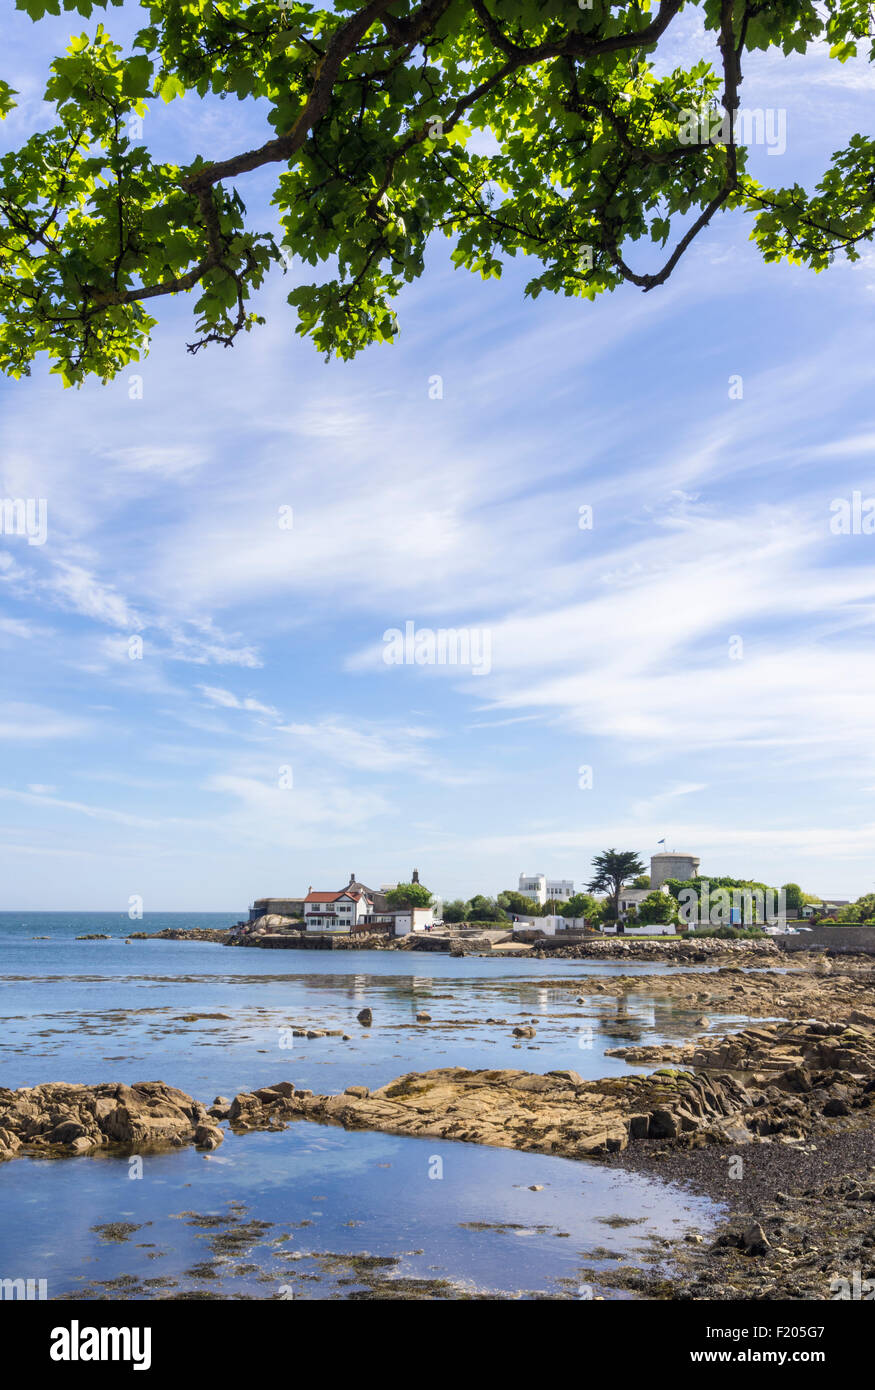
{"x": 225, "y": 699}
{"x": 23, "y": 722}
{"x": 83, "y": 593}
{"x": 259, "y": 518}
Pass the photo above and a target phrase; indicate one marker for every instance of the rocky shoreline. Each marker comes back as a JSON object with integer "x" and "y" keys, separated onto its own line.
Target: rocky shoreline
{"x": 798, "y": 1220}
{"x": 216, "y": 934}
{"x": 828, "y": 992}
{"x": 679, "y": 952}
{"x": 751, "y": 954}
{"x": 786, "y": 1139}
{"x": 775, "y": 1081}
{"x": 775, "y": 1120}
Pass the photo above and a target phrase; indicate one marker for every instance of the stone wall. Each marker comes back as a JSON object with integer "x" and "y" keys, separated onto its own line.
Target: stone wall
{"x": 843, "y": 939}
{"x": 279, "y": 907}
{"x": 316, "y": 941}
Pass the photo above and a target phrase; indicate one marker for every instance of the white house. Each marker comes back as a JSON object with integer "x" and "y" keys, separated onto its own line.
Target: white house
{"x": 632, "y": 898}
{"x": 402, "y": 921}
{"x": 341, "y": 911}
{"x": 642, "y": 929}
{"x": 358, "y": 907}
{"x": 549, "y": 925}
{"x": 541, "y": 888}
{"x": 630, "y": 901}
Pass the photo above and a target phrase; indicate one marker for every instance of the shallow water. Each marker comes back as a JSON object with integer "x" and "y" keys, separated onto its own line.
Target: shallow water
{"x": 317, "y": 1212}
{"x": 101, "y": 1010}
{"x": 93, "y": 1011}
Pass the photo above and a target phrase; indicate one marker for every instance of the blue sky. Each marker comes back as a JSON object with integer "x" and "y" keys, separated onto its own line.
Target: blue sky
{"x": 611, "y": 648}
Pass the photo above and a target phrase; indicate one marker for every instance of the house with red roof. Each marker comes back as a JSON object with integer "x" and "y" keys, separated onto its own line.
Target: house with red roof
{"x": 344, "y": 910}
{"x": 360, "y": 908}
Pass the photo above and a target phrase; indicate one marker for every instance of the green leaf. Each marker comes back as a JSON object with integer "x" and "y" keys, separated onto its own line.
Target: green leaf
{"x": 171, "y": 87}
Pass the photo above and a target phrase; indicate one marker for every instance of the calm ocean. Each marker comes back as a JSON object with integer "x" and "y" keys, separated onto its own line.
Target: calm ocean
{"x": 314, "y": 1211}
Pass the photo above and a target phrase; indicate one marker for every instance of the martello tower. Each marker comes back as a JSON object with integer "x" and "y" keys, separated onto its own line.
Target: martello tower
{"x": 663, "y": 866}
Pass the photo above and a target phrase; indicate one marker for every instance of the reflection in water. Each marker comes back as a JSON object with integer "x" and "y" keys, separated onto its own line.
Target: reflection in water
{"x": 316, "y": 1212}
{"x": 344, "y": 1212}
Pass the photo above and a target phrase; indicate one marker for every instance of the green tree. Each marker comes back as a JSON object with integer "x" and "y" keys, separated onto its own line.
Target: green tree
{"x": 859, "y": 911}
{"x": 737, "y": 888}
{"x": 794, "y": 897}
{"x": 677, "y": 885}
{"x": 657, "y": 907}
{"x": 582, "y": 905}
{"x": 482, "y": 909}
{"x": 512, "y": 901}
{"x": 455, "y": 911}
{"x": 611, "y": 870}
{"x": 642, "y": 881}
{"x": 534, "y": 128}
{"x": 408, "y": 895}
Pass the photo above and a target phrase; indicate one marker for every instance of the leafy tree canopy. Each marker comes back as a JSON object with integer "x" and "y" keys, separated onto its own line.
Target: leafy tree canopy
{"x": 793, "y": 896}
{"x": 863, "y": 910}
{"x": 512, "y": 901}
{"x": 582, "y": 905}
{"x": 657, "y": 907}
{"x": 796, "y": 897}
{"x": 610, "y": 870}
{"x": 677, "y": 885}
{"x": 516, "y": 127}
{"x": 455, "y": 911}
{"x": 408, "y": 895}
{"x": 483, "y": 909}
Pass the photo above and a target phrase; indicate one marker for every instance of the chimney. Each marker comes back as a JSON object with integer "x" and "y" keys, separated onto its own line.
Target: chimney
{"x": 415, "y": 878}
{"x": 351, "y": 878}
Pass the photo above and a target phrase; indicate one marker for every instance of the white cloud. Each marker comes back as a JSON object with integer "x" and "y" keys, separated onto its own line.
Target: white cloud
{"x": 227, "y": 700}
{"x": 20, "y": 721}
{"x": 711, "y": 520}
{"x": 84, "y": 593}
{"x": 371, "y": 747}
{"x": 163, "y": 461}
{"x": 291, "y": 817}
{"x": 20, "y": 628}
{"x": 100, "y": 813}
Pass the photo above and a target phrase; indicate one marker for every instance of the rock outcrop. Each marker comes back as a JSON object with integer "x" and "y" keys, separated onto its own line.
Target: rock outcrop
{"x": 681, "y": 951}
{"x": 60, "y": 1117}
{"x": 780, "y": 1082}
{"x": 558, "y": 1113}
{"x": 771, "y": 1047}
{"x": 846, "y": 995}
{"x": 215, "y": 934}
